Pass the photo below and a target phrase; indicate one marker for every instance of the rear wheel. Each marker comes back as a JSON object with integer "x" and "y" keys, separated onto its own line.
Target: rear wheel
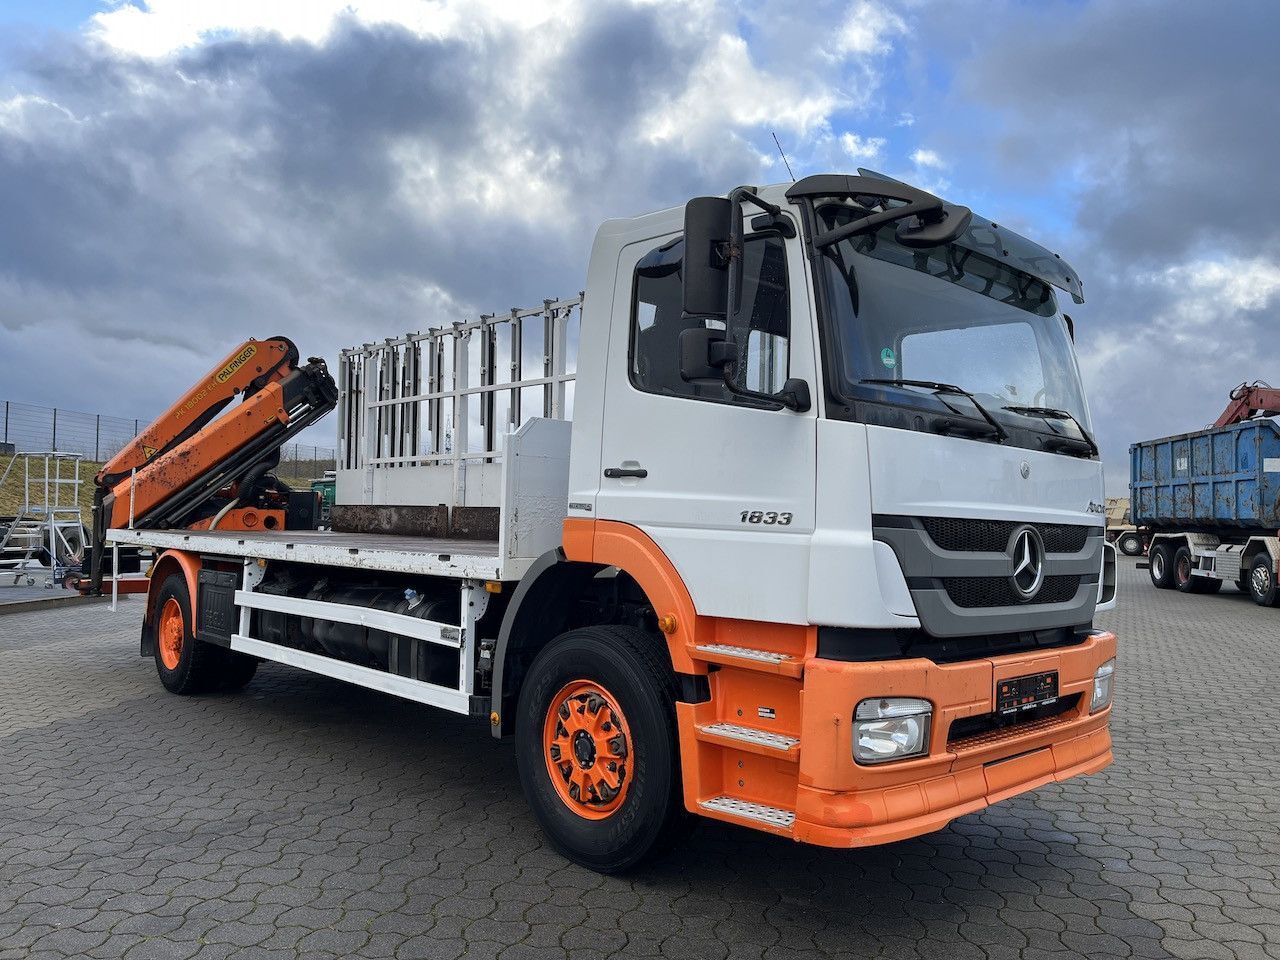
{"x": 1161, "y": 566}
{"x": 186, "y": 665}
{"x": 237, "y": 670}
{"x": 1262, "y": 581}
{"x": 1184, "y": 577}
{"x": 1182, "y": 566}
{"x": 597, "y": 749}
{"x": 1130, "y": 544}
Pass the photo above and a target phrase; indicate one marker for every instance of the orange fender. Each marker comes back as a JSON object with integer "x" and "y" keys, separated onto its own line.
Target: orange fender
{"x": 171, "y": 562}
{"x": 628, "y": 548}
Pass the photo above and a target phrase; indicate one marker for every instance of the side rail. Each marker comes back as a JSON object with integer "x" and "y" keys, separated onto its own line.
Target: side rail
{"x": 403, "y": 631}
{"x": 451, "y": 394}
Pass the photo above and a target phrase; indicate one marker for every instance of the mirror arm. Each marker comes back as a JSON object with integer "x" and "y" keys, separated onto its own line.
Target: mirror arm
{"x": 794, "y": 394}
{"x": 739, "y": 194}
{"x": 917, "y": 203}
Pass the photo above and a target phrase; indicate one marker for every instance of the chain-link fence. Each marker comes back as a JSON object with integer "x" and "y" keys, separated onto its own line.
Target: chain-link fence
{"x": 300, "y": 463}
{"x": 98, "y": 437}
{"x": 92, "y": 435}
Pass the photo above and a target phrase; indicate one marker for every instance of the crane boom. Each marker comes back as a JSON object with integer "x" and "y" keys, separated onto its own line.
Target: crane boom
{"x": 193, "y": 468}
{"x": 1248, "y": 401}
{"x": 247, "y": 368}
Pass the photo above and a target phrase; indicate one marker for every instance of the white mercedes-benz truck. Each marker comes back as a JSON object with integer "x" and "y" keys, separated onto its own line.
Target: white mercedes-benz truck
{"x": 793, "y": 520}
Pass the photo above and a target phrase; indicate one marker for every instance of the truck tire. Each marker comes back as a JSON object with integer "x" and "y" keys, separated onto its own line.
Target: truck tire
{"x": 237, "y": 670}
{"x": 1183, "y": 564}
{"x": 188, "y": 666}
{"x": 73, "y": 552}
{"x": 1130, "y": 544}
{"x": 1185, "y": 580}
{"x": 597, "y": 747}
{"x": 1262, "y": 581}
{"x": 1161, "y": 566}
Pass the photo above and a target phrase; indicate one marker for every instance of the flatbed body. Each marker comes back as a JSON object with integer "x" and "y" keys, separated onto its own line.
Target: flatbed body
{"x": 390, "y": 553}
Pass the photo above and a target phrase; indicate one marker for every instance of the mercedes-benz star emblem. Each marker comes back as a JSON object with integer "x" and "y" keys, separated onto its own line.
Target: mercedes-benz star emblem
{"x": 1027, "y": 552}
{"x": 1025, "y": 469}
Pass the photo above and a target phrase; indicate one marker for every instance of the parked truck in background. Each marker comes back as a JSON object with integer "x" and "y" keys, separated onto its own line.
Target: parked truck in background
{"x": 819, "y": 552}
{"x": 1209, "y": 501}
{"x": 1121, "y": 530}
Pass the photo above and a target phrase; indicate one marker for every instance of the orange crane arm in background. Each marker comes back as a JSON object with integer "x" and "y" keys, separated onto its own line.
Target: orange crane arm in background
{"x": 1250, "y": 400}
{"x": 193, "y": 468}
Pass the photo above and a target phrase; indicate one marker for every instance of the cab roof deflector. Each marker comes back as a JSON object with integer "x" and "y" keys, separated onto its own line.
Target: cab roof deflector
{"x": 981, "y": 236}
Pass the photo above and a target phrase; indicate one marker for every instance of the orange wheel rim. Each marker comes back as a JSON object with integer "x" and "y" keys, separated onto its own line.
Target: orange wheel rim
{"x": 587, "y": 746}
{"x": 172, "y": 629}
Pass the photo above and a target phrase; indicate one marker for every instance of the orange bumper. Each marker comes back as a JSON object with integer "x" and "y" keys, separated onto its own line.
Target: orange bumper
{"x": 840, "y": 803}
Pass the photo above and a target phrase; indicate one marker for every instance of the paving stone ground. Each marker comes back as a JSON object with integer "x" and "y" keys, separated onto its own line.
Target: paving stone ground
{"x": 303, "y": 818}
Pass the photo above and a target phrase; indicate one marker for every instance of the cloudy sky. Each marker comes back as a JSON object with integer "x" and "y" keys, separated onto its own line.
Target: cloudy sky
{"x": 178, "y": 174}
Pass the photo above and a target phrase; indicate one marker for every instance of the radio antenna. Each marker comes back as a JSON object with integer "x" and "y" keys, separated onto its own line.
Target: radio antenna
{"x": 782, "y": 154}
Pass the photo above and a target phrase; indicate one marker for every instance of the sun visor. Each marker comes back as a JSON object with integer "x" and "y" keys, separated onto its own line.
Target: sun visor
{"x": 1013, "y": 249}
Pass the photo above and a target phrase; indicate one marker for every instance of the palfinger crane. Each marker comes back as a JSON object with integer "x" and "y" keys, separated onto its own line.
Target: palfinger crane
{"x": 193, "y": 468}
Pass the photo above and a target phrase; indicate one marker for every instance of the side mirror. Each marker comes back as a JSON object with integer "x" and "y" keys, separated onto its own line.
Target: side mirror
{"x": 705, "y": 270}
{"x": 704, "y": 353}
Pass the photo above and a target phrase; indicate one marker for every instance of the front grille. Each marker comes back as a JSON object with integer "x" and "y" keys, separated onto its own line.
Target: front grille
{"x": 988, "y": 728}
{"x": 998, "y": 591}
{"x": 992, "y": 536}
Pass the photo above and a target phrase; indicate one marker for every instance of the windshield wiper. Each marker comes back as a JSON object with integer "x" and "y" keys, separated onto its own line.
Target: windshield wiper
{"x": 1000, "y": 432}
{"x": 1052, "y": 413}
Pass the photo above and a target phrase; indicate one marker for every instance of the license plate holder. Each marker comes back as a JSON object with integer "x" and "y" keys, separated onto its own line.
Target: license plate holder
{"x": 1017, "y": 694}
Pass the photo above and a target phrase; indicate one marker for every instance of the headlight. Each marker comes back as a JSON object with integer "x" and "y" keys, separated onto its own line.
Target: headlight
{"x": 891, "y": 728}
{"x": 1103, "y": 681}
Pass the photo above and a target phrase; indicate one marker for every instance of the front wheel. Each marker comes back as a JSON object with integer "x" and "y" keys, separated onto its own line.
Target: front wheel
{"x": 597, "y": 747}
{"x": 1262, "y": 581}
{"x": 1130, "y": 544}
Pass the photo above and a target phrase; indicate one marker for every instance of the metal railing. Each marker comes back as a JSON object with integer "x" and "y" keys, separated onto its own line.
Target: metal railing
{"x": 451, "y": 394}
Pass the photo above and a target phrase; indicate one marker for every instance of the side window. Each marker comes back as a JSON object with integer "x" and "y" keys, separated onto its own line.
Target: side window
{"x": 656, "y": 321}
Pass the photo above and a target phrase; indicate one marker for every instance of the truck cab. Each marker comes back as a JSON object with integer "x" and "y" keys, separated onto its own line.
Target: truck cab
{"x": 882, "y": 524}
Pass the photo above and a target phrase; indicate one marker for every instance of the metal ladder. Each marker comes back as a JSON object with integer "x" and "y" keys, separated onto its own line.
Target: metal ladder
{"x": 48, "y": 516}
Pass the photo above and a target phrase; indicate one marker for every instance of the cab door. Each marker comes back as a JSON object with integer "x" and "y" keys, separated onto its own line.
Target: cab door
{"x": 724, "y": 485}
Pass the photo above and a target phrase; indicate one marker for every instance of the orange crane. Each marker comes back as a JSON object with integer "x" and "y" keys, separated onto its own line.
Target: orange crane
{"x": 192, "y": 468}
{"x": 1248, "y": 401}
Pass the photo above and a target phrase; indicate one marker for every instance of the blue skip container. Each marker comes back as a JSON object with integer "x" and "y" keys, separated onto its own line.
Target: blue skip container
{"x": 1220, "y": 479}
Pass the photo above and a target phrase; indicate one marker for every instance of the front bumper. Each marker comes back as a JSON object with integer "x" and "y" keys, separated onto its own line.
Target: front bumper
{"x": 840, "y": 803}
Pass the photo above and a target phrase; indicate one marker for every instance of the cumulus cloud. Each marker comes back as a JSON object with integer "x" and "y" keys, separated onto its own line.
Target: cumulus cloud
{"x": 862, "y": 149}
{"x": 869, "y": 28}
{"x": 1206, "y": 326}
{"x": 191, "y": 172}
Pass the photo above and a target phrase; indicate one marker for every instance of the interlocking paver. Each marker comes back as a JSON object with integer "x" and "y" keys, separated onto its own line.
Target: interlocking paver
{"x": 304, "y": 818}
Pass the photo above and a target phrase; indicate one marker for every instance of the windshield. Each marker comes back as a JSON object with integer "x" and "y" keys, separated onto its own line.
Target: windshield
{"x": 948, "y": 314}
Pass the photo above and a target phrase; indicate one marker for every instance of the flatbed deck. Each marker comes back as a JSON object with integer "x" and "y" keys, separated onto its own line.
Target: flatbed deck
{"x": 432, "y": 556}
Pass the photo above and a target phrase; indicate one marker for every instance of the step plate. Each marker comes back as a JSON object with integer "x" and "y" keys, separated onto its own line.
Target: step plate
{"x": 763, "y": 738}
{"x": 744, "y": 653}
{"x": 747, "y": 810}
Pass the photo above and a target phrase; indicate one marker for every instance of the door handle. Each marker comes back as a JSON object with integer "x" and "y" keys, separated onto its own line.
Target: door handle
{"x": 617, "y": 473}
